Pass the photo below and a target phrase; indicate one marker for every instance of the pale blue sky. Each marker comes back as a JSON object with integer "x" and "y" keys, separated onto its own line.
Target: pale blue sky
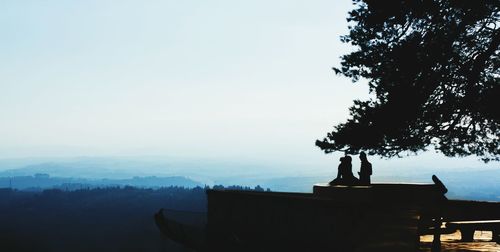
{"x": 218, "y": 79}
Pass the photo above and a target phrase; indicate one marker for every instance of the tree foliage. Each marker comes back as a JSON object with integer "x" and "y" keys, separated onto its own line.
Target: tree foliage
{"x": 433, "y": 68}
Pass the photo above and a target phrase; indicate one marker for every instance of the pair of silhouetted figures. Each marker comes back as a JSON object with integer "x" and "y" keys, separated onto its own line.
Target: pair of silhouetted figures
{"x": 345, "y": 176}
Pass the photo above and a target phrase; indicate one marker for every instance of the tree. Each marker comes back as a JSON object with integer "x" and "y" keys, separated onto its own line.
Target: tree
{"x": 433, "y": 69}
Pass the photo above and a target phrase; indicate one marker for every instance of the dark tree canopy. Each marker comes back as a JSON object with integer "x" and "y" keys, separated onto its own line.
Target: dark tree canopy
{"x": 433, "y": 67}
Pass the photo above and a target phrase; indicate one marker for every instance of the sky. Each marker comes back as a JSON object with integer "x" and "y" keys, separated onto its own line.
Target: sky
{"x": 222, "y": 79}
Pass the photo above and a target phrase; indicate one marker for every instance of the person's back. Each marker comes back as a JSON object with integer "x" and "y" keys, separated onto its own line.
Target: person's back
{"x": 340, "y": 171}
{"x": 347, "y": 168}
{"x": 348, "y": 176}
{"x": 345, "y": 175}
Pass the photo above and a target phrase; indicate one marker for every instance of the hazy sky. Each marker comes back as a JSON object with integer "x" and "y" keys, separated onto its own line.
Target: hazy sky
{"x": 217, "y": 79}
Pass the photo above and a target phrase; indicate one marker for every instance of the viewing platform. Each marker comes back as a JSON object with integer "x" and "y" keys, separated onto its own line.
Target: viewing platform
{"x": 376, "y": 217}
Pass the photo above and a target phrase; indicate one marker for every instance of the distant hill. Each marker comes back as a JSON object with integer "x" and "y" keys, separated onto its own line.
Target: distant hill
{"x": 73, "y": 169}
{"x": 473, "y": 183}
{"x": 41, "y": 181}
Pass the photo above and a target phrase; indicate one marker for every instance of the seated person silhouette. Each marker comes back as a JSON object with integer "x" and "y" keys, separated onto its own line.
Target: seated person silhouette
{"x": 344, "y": 173}
{"x": 365, "y": 171}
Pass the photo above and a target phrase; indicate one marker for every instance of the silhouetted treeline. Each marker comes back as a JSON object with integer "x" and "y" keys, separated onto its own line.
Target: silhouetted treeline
{"x": 100, "y": 219}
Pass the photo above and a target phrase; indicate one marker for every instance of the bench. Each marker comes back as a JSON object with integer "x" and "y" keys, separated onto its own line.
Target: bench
{"x": 467, "y": 228}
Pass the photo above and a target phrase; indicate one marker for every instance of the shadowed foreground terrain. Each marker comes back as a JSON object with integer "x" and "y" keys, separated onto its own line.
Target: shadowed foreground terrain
{"x": 106, "y": 219}
{"x": 111, "y": 219}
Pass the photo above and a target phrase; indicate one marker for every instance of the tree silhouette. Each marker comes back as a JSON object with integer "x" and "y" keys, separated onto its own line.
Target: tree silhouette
{"x": 433, "y": 68}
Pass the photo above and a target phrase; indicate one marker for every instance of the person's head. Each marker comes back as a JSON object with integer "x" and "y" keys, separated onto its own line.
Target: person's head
{"x": 347, "y": 159}
{"x": 362, "y": 156}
